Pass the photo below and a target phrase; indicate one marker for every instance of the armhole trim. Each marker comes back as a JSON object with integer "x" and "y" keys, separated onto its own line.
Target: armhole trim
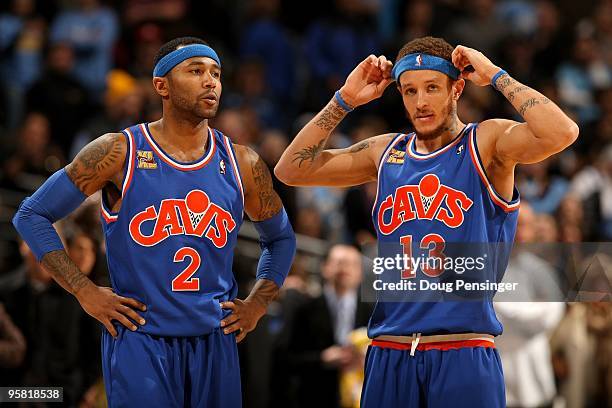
{"x": 507, "y": 206}
{"x": 236, "y": 170}
{"x": 127, "y": 180}
{"x": 381, "y": 163}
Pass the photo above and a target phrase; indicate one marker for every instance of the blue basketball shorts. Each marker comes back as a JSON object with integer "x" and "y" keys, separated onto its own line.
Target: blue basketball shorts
{"x": 454, "y": 375}
{"x": 141, "y": 370}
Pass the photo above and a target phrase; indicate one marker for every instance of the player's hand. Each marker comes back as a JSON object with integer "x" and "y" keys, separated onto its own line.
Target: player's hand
{"x": 368, "y": 81}
{"x": 243, "y": 319}
{"x": 105, "y": 305}
{"x": 338, "y": 356}
{"x": 483, "y": 69}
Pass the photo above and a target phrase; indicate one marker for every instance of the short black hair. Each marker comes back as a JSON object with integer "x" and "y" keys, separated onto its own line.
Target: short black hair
{"x": 172, "y": 45}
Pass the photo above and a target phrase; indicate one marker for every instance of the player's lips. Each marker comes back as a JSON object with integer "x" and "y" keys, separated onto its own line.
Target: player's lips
{"x": 210, "y": 99}
{"x": 425, "y": 118}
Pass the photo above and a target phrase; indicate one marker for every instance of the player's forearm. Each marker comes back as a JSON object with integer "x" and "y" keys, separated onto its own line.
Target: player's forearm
{"x": 304, "y": 152}
{"x": 65, "y": 272}
{"x": 263, "y": 293}
{"x": 544, "y": 118}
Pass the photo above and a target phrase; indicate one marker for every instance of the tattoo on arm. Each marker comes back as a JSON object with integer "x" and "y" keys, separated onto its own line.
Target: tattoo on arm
{"x": 361, "y": 146}
{"x": 503, "y": 82}
{"x": 530, "y": 103}
{"x": 64, "y": 270}
{"x": 94, "y": 160}
{"x": 269, "y": 202}
{"x": 309, "y": 153}
{"x": 330, "y": 116}
{"x": 512, "y": 94}
{"x": 264, "y": 292}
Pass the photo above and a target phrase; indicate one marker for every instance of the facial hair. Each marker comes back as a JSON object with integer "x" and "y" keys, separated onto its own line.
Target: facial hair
{"x": 449, "y": 112}
{"x": 192, "y": 110}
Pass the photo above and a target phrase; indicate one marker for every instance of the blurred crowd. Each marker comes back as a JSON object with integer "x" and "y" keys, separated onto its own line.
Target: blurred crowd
{"x": 71, "y": 70}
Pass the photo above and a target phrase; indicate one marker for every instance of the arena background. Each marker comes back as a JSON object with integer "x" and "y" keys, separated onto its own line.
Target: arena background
{"x": 73, "y": 70}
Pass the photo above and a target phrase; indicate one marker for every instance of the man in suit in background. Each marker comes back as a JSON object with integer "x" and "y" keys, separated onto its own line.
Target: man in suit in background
{"x": 318, "y": 347}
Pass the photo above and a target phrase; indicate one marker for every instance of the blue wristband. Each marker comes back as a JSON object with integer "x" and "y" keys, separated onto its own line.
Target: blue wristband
{"x": 341, "y": 102}
{"x": 496, "y": 77}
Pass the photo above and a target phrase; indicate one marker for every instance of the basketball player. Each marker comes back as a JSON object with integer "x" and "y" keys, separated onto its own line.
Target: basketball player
{"x": 173, "y": 196}
{"x": 427, "y": 354}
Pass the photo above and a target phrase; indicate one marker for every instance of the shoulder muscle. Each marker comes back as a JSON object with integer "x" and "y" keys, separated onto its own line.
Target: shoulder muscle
{"x": 98, "y": 162}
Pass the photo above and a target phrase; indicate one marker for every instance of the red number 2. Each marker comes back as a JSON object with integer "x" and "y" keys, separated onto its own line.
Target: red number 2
{"x": 184, "y": 281}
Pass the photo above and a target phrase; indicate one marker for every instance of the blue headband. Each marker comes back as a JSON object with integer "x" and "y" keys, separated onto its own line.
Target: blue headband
{"x": 171, "y": 60}
{"x": 414, "y": 62}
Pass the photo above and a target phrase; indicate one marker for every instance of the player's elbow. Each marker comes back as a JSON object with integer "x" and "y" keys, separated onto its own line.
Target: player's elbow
{"x": 571, "y": 134}
{"x": 286, "y": 175}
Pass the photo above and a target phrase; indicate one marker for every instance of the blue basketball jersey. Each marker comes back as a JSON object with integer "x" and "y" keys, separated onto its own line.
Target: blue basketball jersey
{"x": 427, "y": 202}
{"x": 171, "y": 243}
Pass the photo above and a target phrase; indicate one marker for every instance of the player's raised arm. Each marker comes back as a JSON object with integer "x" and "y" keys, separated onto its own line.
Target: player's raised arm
{"x": 264, "y": 207}
{"x": 98, "y": 164}
{"x": 547, "y": 129}
{"x": 307, "y": 162}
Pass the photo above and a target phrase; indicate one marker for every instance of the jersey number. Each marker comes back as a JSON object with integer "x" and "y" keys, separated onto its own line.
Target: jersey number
{"x": 185, "y": 281}
{"x": 434, "y": 244}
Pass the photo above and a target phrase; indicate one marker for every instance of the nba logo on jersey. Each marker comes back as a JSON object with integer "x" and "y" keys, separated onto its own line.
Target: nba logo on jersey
{"x": 432, "y": 200}
{"x": 195, "y": 215}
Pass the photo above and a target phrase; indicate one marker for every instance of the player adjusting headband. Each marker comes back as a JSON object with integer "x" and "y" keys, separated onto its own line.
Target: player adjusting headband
{"x": 415, "y": 62}
{"x": 174, "y": 58}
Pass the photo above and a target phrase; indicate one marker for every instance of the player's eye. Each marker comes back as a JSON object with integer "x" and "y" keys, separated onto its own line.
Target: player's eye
{"x": 432, "y": 88}
{"x": 196, "y": 71}
{"x": 410, "y": 91}
{"x": 216, "y": 74}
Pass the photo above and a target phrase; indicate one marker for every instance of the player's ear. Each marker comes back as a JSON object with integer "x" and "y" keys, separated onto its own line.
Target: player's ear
{"x": 161, "y": 86}
{"x": 457, "y": 88}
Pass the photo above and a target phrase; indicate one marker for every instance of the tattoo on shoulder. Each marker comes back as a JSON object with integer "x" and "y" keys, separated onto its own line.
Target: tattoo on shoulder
{"x": 309, "y": 153}
{"x": 61, "y": 266}
{"x": 331, "y": 115}
{"x": 359, "y": 147}
{"x": 94, "y": 159}
{"x": 269, "y": 202}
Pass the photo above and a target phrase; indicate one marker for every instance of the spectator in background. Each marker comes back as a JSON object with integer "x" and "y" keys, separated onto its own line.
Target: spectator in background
{"x": 593, "y": 185}
{"x": 123, "y": 106}
{"x": 22, "y": 33}
{"x": 319, "y": 347}
{"x": 480, "y": 29}
{"x": 12, "y": 348}
{"x": 579, "y": 78}
{"x": 549, "y": 40}
{"x": 241, "y": 124}
{"x": 34, "y": 156}
{"x": 264, "y": 39}
{"x": 252, "y": 94}
{"x": 543, "y": 190}
{"x": 60, "y": 97}
{"x": 334, "y": 45}
{"x": 60, "y": 346}
{"x": 524, "y": 348}
{"x": 91, "y": 30}
{"x": 602, "y": 16}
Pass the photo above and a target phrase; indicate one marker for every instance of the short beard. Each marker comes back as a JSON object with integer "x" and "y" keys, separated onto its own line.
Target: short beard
{"x": 192, "y": 112}
{"x": 449, "y": 124}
